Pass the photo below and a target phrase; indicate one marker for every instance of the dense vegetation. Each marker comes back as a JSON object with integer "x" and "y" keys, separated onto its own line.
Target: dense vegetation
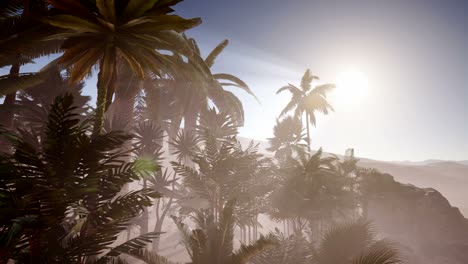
{"x": 75, "y": 180}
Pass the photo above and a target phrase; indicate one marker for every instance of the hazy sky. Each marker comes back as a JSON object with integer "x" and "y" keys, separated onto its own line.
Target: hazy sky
{"x": 414, "y": 54}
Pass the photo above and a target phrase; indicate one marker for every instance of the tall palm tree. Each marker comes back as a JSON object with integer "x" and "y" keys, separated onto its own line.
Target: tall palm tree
{"x": 194, "y": 93}
{"x": 307, "y": 101}
{"x": 109, "y": 33}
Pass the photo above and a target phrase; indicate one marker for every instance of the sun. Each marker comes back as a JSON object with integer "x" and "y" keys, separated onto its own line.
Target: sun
{"x": 351, "y": 88}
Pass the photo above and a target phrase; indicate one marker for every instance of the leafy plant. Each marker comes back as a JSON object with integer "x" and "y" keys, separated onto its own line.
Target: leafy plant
{"x": 212, "y": 241}
{"x": 61, "y": 202}
{"x": 355, "y": 243}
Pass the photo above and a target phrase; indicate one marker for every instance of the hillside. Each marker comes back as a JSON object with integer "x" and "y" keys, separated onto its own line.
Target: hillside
{"x": 450, "y": 178}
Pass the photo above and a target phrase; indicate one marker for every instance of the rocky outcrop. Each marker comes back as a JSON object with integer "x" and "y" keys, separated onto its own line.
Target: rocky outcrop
{"x": 420, "y": 219}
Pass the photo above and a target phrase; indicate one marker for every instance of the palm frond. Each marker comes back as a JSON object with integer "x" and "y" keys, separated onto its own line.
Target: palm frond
{"x": 150, "y": 257}
{"x": 295, "y": 91}
{"x": 245, "y": 252}
{"x": 346, "y": 241}
{"x": 381, "y": 252}
{"x": 133, "y": 245}
{"x": 210, "y": 59}
{"x": 235, "y": 80}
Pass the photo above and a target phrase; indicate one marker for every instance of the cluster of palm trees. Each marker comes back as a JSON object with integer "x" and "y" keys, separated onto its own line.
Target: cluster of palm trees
{"x": 76, "y": 180}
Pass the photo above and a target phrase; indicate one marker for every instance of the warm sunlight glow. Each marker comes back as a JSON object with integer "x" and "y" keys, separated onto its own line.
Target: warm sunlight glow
{"x": 351, "y": 88}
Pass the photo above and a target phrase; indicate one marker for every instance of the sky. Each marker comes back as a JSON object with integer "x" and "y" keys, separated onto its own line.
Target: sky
{"x": 410, "y": 52}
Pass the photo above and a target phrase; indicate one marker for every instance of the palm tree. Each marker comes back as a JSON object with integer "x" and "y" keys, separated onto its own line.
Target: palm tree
{"x": 112, "y": 33}
{"x": 305, "y": 187}
{"x": 60, "y": 196}
{"x": 193, "y": 93}
{"x": 288, "y": 138}
{"x": 224, "y": 170}
{"x": 212, "y": 242}
{"x": 306, "y": 101}
{"x": 312, "y": 189}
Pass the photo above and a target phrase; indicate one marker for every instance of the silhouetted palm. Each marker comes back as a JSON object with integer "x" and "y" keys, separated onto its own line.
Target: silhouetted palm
{"x": 112, "y": 32}
{"x": 288, "y": 138}
{"x": 311, "y": 190}
{"x": 306, "y": 187}
{"x": 193, "y": 93}
{"x": 307, "y": 100}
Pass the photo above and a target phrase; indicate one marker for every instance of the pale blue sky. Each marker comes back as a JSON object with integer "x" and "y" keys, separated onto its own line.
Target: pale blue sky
{"x": 413, "y": 53}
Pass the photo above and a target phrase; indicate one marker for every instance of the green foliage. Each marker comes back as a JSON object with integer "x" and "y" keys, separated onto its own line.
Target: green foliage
{"x": 110, "y": 31}
{"x": 62, "y": 195}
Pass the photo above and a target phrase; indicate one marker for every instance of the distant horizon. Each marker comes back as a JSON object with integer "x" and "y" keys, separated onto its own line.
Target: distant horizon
{"x": 370, "y": 158}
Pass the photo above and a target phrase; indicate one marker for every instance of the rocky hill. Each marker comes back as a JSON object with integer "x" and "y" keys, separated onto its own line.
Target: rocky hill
{"x": 421, "y": 220}
{"x": 450, "y": 178}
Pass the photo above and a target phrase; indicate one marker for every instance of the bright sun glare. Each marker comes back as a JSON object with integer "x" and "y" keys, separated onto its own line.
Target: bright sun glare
{"x": 351, "y": 88}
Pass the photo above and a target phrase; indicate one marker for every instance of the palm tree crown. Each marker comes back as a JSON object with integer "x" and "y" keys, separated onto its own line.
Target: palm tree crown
{"x": 110, "y": 32}
{"x": 306, "y": 100}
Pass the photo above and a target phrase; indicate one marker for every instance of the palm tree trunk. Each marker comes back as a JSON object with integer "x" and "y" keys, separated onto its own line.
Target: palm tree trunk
{"x": 308, "y": 131}
{"x": 124, "y": 108}
{"x": 106, "y": 82}
{"x": 124, "y": 101}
